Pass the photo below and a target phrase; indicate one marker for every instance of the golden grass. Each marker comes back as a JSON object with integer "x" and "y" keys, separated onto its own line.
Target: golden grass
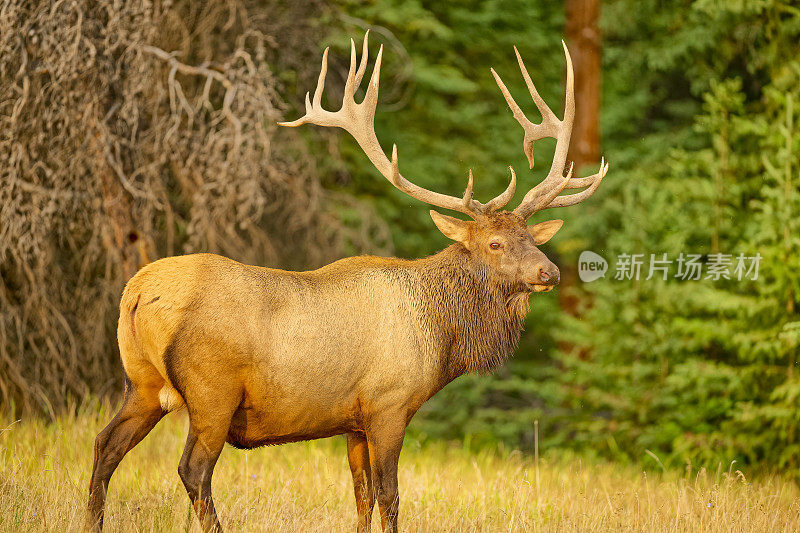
{"x": 45, "y": 468}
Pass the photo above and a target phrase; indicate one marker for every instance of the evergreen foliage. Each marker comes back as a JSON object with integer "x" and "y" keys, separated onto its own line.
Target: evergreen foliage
{"x": 695, "y": 371}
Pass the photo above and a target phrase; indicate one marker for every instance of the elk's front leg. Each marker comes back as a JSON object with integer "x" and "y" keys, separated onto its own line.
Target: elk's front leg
{"x": 385, "y": 439}
{"x": 358, "y": 456}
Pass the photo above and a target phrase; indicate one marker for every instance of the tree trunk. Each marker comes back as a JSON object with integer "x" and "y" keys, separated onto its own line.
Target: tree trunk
{"x": 584, "y": 40}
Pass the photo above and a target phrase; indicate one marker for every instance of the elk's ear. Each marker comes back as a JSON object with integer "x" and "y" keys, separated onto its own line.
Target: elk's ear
{"x": 453, "y": 228}
{"x": 543, "y": 231}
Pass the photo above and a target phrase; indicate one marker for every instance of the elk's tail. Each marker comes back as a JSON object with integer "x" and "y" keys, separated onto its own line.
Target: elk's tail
{"x": 138, "y": 336}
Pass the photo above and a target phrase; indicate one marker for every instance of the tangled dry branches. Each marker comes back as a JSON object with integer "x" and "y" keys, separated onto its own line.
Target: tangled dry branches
{"x": 131, "y": 130}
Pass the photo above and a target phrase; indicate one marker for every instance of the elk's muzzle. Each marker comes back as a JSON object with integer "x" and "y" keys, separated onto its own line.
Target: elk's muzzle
{"x": 545, "y": 277}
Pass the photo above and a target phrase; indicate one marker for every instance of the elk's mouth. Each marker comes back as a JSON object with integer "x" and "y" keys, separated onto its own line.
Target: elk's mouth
{"x": 540, "y": 288}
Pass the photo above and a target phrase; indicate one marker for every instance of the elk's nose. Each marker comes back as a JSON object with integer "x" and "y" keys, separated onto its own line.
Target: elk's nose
{"x": 544, "y": 276}
{"x": 549, "y": 276}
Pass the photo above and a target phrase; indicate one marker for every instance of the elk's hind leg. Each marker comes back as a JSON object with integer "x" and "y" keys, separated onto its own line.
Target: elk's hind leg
{"x": 140, "y": 412}
{"x": 210, "y": 413}
{"x": 358, "y": 456}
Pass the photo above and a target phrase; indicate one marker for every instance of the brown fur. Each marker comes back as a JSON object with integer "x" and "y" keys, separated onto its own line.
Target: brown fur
{"x": 263, "y": 356}
{"x": 476, "y": 322}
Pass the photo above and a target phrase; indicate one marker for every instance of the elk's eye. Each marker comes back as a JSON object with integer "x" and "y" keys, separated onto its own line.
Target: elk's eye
{"x": 494, "y": 246}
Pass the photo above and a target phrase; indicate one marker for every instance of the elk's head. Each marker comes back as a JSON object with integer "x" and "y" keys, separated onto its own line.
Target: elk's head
{"x": 508, "y": 247}
{"x": 501, "y": 240}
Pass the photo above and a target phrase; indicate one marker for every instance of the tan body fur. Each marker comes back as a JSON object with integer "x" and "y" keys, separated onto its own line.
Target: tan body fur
{"x": 309, "y": 354}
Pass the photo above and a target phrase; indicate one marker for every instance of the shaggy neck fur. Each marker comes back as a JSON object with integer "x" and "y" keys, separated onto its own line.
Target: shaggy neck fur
{"x": 477, "y": 322}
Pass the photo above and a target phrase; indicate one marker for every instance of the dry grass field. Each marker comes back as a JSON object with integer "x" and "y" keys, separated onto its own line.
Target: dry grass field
{"x": 44, "y": 471}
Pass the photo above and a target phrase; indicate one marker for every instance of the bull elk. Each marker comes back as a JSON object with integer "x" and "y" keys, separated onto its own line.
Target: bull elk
{"x": 263, "y": 356}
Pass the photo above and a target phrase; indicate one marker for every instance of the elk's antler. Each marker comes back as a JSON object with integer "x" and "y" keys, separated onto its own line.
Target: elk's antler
{"x": 546, "y": 194}
{"x": 358, "y": 120}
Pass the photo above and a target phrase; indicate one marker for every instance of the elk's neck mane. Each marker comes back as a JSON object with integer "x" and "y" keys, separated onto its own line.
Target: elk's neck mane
{"x": 476, "y": 322}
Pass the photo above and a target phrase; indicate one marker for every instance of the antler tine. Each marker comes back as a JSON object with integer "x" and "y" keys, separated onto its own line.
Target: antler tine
{"x": 547, "y": 114}
{"x": 350, "y": 83}
{"x": 545, "y": 194}
{"x": 512, "y": 104}
{"x": 500, "y": 201}
{"x": 362, "y": 66}
{"x": 371, "y": 98}
{"x": 358, "y": 120}
{"x": 495, "y": 203}
{"x": 323, "y": 71}
{"x": 354, "y": 76}
{"x": 527, "y": 125}
{"x": 467, "y": 198}
{"x": 395, "y": 179}
{"x": 572, "y": 199}
{"x": 580, "y": 183}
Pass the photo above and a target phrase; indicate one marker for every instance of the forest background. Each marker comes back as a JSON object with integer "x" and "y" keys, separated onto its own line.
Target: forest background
{"x": 136, "y": 130}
